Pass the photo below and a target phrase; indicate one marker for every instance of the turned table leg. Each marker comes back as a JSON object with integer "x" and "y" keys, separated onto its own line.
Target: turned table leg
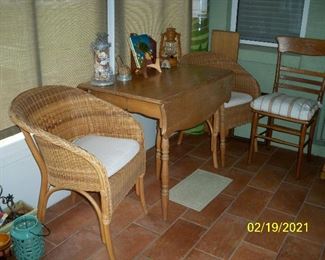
{"x": 164, "y": 176}
{"x": 158, "y": 153}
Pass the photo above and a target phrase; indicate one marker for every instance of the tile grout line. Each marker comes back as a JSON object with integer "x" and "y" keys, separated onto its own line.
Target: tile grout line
{"x": 64, "y": 241}
{"x": 215, "y": 221}
{"x": 63, "y": 212}
{"x": 265, "y": 207}
{"x": 159, "y": 235}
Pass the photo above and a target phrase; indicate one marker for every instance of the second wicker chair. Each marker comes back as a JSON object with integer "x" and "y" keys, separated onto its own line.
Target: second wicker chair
{"x": 224, "y": 55}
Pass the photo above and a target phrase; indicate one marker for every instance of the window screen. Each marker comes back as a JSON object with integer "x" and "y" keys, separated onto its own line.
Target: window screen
{"x": 45, "y": 42}
{"x": 263, "y": 20}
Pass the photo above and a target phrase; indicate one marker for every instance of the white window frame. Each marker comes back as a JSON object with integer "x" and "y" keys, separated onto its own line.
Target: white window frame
{"x": 234, "y": 10}
{"x": 111, "y": 31}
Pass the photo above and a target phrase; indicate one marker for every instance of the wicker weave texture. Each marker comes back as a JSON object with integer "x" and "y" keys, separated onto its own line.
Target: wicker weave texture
{"x": 244, "y": 82}
{"x": 55, "y": 116}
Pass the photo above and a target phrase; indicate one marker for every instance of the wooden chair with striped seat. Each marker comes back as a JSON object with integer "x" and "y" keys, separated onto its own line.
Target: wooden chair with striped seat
{"x": 296, "y": 98}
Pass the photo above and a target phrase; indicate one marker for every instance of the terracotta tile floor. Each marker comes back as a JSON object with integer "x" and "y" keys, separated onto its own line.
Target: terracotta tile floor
{"x": 265, "y": 191}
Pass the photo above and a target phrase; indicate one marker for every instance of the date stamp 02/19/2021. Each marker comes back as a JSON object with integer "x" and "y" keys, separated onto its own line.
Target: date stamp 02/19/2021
{"x": 277, "y": 227}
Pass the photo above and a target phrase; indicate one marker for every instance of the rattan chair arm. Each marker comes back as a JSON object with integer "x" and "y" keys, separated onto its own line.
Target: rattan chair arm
{"x": 247, "y": 84}
{"x": 71, "y": 167}
{"x": 60, "y": 154}
{"x": 93, "y": 116}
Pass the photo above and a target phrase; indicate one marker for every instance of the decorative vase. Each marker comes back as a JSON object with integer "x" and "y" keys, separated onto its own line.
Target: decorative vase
{"x": 103, "y": 74}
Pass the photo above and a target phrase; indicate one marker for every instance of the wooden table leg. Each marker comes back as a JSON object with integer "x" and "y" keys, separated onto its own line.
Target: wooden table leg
{"x": 214, "y": 138}
{"x": 164, "y": 176}
{"x": 222, "y": 134}
{"x": 158, "y": 153}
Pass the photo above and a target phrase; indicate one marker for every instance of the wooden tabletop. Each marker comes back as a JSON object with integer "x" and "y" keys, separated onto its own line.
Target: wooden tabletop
{"x": 161, "y": 87}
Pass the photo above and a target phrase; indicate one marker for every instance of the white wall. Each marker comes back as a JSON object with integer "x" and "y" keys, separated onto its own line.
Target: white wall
{"x": 149, "y": 129}
{"x": 19, "y": 173}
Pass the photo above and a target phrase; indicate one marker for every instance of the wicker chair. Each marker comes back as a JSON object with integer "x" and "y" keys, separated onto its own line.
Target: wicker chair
{"x": 296, "y": 98}
{"x": 223, "y": 55}
{"x": 82, "y": 144}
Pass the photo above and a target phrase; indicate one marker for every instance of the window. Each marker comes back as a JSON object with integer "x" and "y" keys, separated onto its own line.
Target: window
{"x": 48, "y": 42}
{"x": 45, "y": 42}
{"x": 260, "y": 21}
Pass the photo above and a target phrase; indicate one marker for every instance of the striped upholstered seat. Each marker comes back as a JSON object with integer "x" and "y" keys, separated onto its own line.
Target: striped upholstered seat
{"x": 288, "y": 106}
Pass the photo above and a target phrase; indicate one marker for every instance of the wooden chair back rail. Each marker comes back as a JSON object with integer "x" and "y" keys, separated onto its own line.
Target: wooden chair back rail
{"x": 302, "y": 80}
{"x": 311, "y": 86}
{"x": 300, "y": 71}
{"x": 302, "y": 46}
{"x": 299, "y": 88}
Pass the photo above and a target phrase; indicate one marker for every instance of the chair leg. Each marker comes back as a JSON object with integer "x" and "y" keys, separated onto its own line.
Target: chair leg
{"x": 255, "y": 146}
{"x": 180, "y": 137}
{"x": 41, "y": 211}
{"x": 222, "y": 133}
{"x": 301, "y": 149}
{"x": 137, "y": 184}
{"x": 42, "y": 202}
{"x": 213, "y": 125}
{"x": 73, "y": 197}
{"x": 141, "y": 193}
{"x": 269, "y": 131}
{"x": 158, "y": 153}
{"x": 253, "y": 140}
{"x": 108, "y": 241}
{"x": 230, "y": 132}
{"x": 102, "y": 214}
{"x": 214, "y": 145}
{"x": 311, "y": 138}
{"x": 322, "y": 174}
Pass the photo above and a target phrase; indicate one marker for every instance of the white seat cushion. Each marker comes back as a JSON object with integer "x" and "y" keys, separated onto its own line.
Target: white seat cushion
{"x": 113, "y": 153}
{"x": 287, "y": 106}
{"x": 238, "y": 98}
